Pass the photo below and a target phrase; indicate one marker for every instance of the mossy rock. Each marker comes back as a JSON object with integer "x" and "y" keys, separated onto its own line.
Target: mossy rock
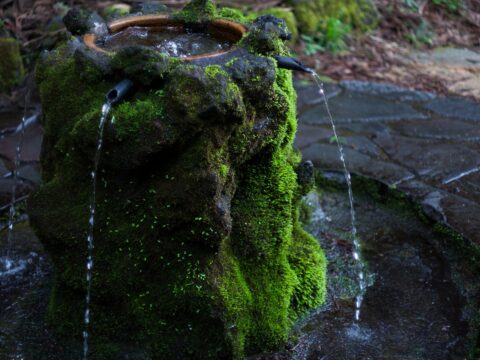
{"x": 289, "y": 18}
{"x": 198, "y": 251}
{"x": 313, "y": 14}
{"x": 11, "y": 65}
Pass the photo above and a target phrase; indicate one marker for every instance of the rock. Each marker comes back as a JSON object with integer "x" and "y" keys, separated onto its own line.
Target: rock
{"x": 309, "y": 94}
{"x": 115, "y": 11}
{"x": 141, "y": 64}
{"x": 388, "y": 91}
{"x": 31, "y": 173}
{"x": 289, "y": 18}
{"x": 6, "y": 186}
{"x": 355, "y": 107}
{"x": 11, "y": 65}
{"x": 446, "y": 129}
{"x": 31, "y": 149}
{"x": 455, "y": 107}
{"x": 305, "y": 176}
{"x": 148, "y": 8}
{"x": 79, "y": 21}
{"x": 97, "y": 63}
{"x": 266, "y": 34}
{"x": 197, "y": 239}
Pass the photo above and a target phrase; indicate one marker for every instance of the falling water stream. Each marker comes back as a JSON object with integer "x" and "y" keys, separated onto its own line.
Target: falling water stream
{"x": 91, "y": 223}
{"x": 357, "y": 250}
{"x": 11, "y": 214}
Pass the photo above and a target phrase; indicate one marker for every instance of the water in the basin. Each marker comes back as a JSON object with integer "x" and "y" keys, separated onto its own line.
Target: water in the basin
{"x": 169, "y": 41}
{"x": 91, "y": 225}
{"x": 357, "y": 250}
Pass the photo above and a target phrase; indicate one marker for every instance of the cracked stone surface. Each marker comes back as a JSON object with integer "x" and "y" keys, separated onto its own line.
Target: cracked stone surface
{"x": 424, "y": 145}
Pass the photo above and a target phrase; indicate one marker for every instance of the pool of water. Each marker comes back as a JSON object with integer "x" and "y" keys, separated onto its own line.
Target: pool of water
{"x": 169, "y": 41}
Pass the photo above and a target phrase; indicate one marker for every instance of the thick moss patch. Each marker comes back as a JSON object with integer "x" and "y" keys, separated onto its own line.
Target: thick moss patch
{"x": 11, "y": 65}
{"x": 313, "y": 15}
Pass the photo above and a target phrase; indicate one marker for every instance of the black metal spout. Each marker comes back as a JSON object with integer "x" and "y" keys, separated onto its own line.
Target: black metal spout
{"x": 119, "y": 92}
{"x": 289, "y": 63}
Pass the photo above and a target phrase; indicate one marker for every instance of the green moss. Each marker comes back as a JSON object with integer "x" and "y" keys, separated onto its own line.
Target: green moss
{"x": 232, "y": 14}
{"x": 224, "y": 169}
{"x": 113, "y": 12}
{"x": 262, "y": 210}
{"x": 213, "y": 71}
{"x": 11, "y": 65}
{"x": 143, "y": 65}
{"x": 197, "y": 11}
{"x": 66, "y": 97}
{"x": 236, "y": 298}
{"x": 131, "y": 119}
{"x": 286, "y": 99}
{"x": 312, "y": 15}
{"x": 309, "y": 264}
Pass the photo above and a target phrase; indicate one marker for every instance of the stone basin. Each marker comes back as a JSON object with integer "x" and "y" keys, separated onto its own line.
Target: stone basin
{"x": 224, "y": 32}
{"x": 198, "y": 252}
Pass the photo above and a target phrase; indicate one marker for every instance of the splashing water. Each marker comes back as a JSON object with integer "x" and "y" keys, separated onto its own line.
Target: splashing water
{"x": 11, "y": 214}
{"x": 357, "y": 250}
{"x": 91, "y": 223}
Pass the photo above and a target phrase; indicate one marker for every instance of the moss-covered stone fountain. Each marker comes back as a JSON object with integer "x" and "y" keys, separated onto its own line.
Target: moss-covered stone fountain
{"x": 198, "y": 248}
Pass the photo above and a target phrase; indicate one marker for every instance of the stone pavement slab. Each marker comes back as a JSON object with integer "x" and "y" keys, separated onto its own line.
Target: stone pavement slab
{"x": 356, "y": 107}
{"x": 426, "y": 146}
{"x": 29, "y": 171}
{"x": 459, "y": 108}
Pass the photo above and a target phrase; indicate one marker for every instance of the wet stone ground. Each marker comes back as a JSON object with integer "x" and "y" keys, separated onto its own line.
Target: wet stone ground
{"x": 423, "y": 145}
{"x": 411, "y": 311}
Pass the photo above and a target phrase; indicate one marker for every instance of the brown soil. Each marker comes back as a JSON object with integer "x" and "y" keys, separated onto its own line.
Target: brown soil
{"x": 379, "y": 55}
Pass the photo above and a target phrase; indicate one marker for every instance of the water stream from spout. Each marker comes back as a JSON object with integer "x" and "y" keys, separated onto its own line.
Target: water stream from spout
{"x": 91, "y": 225}
{"x": 11, "y": 213}
{"x": 357, "y": 250}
